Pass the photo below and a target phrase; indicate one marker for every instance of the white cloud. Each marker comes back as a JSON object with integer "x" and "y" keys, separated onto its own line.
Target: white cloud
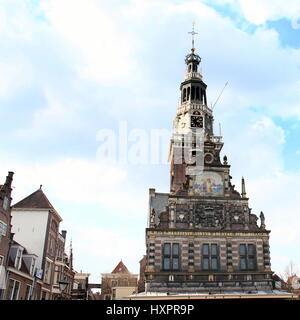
{"x": 12, "y": 78}
{"x": 254, "y": 146}
{"x": 104, "y": 247}
{"x": 259, "y": 11}
{"x": 79, "y": 181}
{"x": 58, "y": 112}
{"x": 106, "y": 48}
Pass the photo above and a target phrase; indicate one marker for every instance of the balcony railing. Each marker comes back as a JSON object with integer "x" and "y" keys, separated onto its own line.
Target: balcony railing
{"x": 195, "y": 105}
{"x": 192, "y": 75}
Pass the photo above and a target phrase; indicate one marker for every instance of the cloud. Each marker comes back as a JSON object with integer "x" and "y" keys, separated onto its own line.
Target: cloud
{"x": 56, "y": 111}
{"x": 78, "y": 181}
{"x": 103, "y": 248}
{"x": 106, "y": 49}
{"x": 260, "y": 11}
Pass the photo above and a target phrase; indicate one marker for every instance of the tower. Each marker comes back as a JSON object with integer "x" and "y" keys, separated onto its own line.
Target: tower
{"x": 202, "y": 235}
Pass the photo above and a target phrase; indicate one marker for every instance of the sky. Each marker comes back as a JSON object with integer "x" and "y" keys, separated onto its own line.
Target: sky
{"x": 72, "y": 71}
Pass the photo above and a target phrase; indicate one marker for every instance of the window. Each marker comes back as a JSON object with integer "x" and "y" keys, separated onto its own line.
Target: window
{"x": 47, "y": 274}
{"x": 28, "y": 292}
{"x": 184, "y": 95}
{"x": 3, "y": 228}
{"x": 193, "y": 93}
{"x": 32, "y": 267}
{"x": 1, "y": 260}
{"x": 13, "y": 290}
{"x": 171, "y": 256}
{"x": 43, "y": 295}
{"x": 197, "y": 93}
{"x": 18, "y": 260}
{"x": 51, "y": 248}
{"x": 247, "y": 257}
{"x": 6, "y": 203}
{"x": 210, "y": 256}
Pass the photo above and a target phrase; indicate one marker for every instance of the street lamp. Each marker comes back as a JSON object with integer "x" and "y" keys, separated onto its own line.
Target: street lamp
{"x": 62, "y": 286}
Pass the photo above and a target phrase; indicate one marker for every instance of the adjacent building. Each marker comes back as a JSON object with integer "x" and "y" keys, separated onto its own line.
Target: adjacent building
{"x": 118, "y": 284}
{"x": 80, "y": 290}
{"x": 202, "y": 236}
{"x": 35, "y": 224}
{"x": 21, "y": 281}
{"x": 5, "y": 230}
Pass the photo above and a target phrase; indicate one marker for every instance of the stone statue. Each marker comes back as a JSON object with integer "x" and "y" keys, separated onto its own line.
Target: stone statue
{"x": 152, "y": 218}
{"x": 262, "y": 220}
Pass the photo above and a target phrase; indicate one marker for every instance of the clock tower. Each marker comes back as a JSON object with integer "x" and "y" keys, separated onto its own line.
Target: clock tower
{"x": 202, "y": 235}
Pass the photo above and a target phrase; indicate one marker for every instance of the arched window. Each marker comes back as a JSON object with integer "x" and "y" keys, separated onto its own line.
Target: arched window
{"x": 190, "y": 68}
{"x": 193, "y": 93}
{"x": 197, "y": 93}
{"x": 184, "y": 95}
{"x": 188, "y": 93}
{"x": 194, "y": 68}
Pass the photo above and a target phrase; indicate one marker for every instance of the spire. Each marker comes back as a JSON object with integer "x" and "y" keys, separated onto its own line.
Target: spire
{"x": 71, "y": 256}
{"x": 193, "y": 37}
{"x": 193, "y": 60}
{"x": 243, "y": 188}
{"x": 192, "y": 57}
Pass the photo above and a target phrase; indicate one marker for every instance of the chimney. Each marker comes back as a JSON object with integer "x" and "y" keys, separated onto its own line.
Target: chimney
{"x": 9, "y": 179}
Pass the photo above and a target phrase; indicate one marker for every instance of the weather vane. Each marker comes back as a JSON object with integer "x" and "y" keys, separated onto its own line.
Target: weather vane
{"x": 193, "y": 36}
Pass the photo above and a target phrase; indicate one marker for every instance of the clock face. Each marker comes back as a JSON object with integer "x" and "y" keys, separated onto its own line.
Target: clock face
{"x": 196, "y": 121}
{"x": 209, "y": 158}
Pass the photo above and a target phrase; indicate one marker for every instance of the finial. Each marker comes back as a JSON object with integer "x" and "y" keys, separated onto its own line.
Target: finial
{"x": 193, "y": 38}
{"x": 243, "y": 188}
{"x": 41, "y": 186}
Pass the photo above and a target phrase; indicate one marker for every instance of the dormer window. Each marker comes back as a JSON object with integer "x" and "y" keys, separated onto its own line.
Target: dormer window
{"x": 18, "y": 260}
{"x": 32, "y": 267}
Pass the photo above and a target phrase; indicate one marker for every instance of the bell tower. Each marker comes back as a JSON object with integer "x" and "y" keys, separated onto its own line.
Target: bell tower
{"x": 202, "y": 236}
{"x": 194, "y": 149}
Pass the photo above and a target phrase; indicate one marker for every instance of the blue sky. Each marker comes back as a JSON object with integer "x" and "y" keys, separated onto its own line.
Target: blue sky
{"x": 72, "y": 68}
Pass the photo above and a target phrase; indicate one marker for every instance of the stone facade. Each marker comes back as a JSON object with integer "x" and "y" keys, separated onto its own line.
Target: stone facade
{"x": 118, "y": 284}
{"x": 202, "y": 236}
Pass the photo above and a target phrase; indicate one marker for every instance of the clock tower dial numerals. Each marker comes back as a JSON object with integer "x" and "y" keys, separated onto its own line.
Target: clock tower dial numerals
{"x": 196, "y": 121}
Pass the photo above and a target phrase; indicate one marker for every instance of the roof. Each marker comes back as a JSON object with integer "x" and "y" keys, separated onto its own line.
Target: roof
{"x": 37, "y": 200}
{"x": 291, "y": 278}
{"x": 120, "y": 268}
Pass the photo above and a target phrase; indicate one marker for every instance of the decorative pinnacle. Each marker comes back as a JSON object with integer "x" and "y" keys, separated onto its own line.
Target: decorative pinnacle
{"x": 193, "y": 36}
{"x": 243, "y": 188}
